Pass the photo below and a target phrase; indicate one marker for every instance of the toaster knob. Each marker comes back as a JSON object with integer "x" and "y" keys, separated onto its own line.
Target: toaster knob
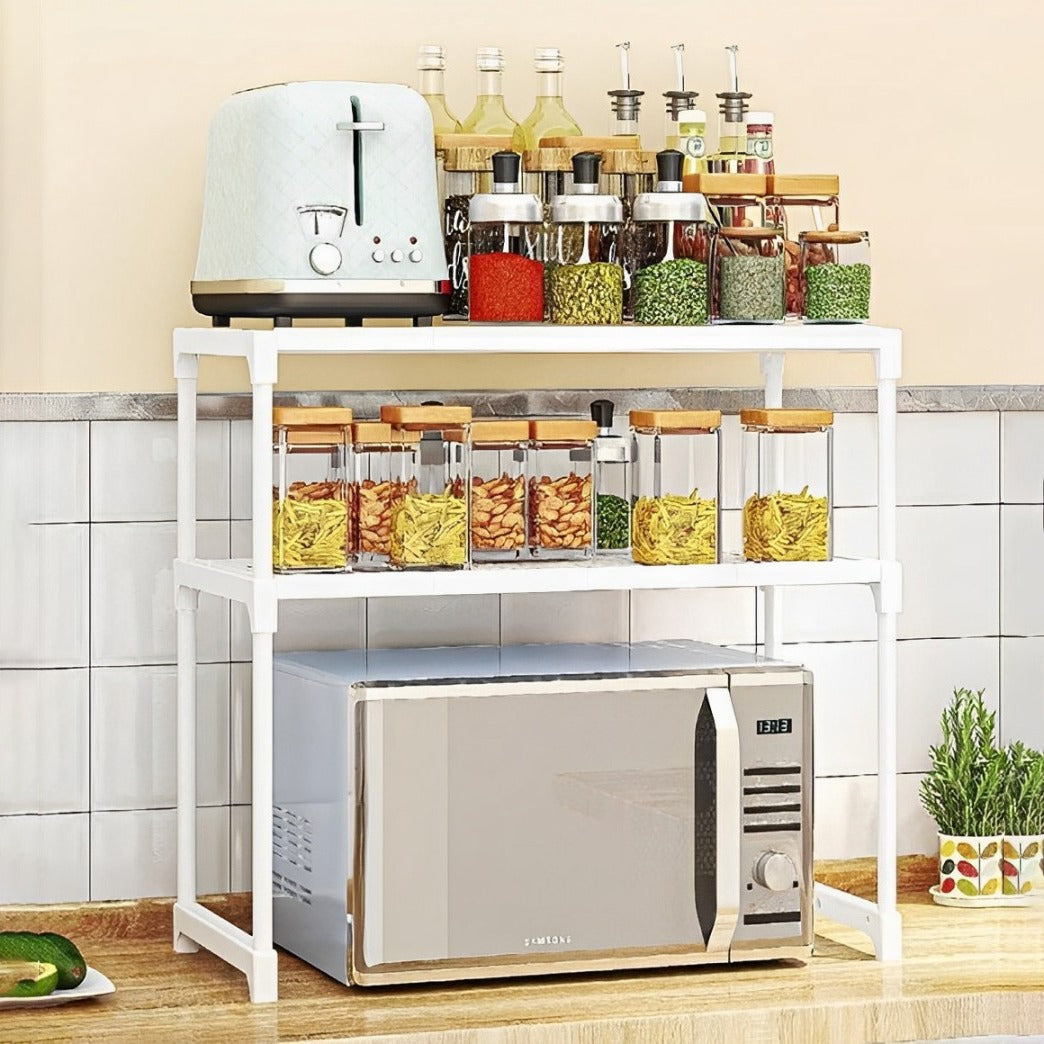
{"x": 325, "y": 258}
{"x": 775, "y": 871}
{"x": 378, "y": 256}
{"x": 396, "y": 255}
{"x": 416, "y": 255}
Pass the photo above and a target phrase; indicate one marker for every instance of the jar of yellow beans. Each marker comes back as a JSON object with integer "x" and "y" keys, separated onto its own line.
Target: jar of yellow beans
{"x": 788, "y": 483}
{"x": 312, "y": 525}
{"x": 676, "y": 510}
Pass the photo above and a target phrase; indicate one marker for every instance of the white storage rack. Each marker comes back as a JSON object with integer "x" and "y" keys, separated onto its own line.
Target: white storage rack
{"x": 252, "y": 582}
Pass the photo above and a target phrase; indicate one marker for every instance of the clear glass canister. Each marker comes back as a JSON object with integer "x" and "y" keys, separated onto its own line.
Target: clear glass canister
{"x": 612, "y": 483}
{"x": 586, "y": 275}
{"x": 505, "y": 250}
{"x": 499, "y": 451}
{"x": 835, "y": 277}
{"x": 788, "y": 479}
{"x": 561, "y": 485}
{"x": 732, "y": 199}
{"x": 380, "y": 483}
{"x": 672, "y": 247}
{"x": 677, "y": 468}
{"x": 429, "y": 525}
{"x": 311, "y": 516}
{"x": 748, "y": 282}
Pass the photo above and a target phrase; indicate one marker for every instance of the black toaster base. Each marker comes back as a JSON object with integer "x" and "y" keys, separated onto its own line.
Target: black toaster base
{"x": 289, "y": 306}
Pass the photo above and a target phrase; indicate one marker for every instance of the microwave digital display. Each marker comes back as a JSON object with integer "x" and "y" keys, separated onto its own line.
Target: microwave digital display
{"x": 775, "y": 726}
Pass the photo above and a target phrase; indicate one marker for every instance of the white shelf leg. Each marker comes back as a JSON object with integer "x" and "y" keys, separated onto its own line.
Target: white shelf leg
{"x": 772, "y": 373}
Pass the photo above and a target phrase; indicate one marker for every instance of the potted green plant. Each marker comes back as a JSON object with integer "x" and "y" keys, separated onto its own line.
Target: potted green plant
{"x": 1022, "y": 862}
{"x": 963, "y": 793}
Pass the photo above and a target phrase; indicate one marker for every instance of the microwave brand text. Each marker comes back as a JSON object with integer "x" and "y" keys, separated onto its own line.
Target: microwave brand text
{"x": 549, "y": 940}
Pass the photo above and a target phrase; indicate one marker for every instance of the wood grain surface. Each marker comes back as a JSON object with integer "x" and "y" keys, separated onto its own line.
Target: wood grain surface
{"x": 964, "y": 973}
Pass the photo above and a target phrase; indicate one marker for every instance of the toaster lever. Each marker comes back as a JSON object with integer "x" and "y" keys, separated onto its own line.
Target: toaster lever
{"x": 356, "y": 125}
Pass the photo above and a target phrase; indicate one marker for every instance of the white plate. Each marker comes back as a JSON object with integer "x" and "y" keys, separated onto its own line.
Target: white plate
{"x": 982, "y": 901}
{"x": 94, "y": 985}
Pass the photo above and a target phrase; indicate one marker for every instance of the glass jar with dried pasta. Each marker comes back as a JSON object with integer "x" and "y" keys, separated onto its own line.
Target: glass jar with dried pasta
{"x": 561, "y": 488}
{"x": 379, "y": 484}
{"x": 788, "y": 478}
{"x": 429, "y": 523}
{"x": 499, "y": 449}
{"x": 677, "y": 465}
{"x": 311, "y": 512}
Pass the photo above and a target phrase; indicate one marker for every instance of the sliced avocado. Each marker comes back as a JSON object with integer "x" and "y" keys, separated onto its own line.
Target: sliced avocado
{"x": 49, "y": 947}
{"x": 27, "y": 979}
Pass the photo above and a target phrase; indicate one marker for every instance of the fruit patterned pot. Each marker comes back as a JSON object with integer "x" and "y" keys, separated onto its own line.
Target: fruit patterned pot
{"x": 1022, "y": 864}
{"x": 970, "y": 866}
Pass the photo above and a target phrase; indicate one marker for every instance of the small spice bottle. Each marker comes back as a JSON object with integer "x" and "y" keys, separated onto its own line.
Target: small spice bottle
{"x": 835, "y": 277}
{"x": 561, "y": 485}
{"x": 748, "y": 283}
{"x": 499, "y": 510}
{"x": 612, "y": 484}
{"x": 672, "y": 246}
{"x": 677, "y": 466}
{"x": 311, "y": 513}
{"x": 380, "y": 483}
{"x": 759, "y": 143}
{"x": 586, "y": 272}
{"x": 505, "y": 250}
{"x": 429, "y": 524}
{"x": 788, "y": 478}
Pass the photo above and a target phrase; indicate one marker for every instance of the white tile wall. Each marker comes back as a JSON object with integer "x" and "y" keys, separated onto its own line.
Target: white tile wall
{"x": 240, "y": 469}
{"x": 240, "y": 860}
{"x": 132, "y": 603}
{"x": 393, "y": 623}
{"x": 43, "y": 472}
{"x": 948, "y": 458}
{"x": 588, "y": 616}
{"x": 133, "y": 749}
{"x": 1022, "y": 458}
{"x": 1022, "y": 691}
{"x": 134, "y": 470}
{"x": 44, "y": 859}
{"x": 855, "y": 459}
{"x": 1022, "y": 569}
{"x": 43, "y": 723}
{"x": 721, "y": 617}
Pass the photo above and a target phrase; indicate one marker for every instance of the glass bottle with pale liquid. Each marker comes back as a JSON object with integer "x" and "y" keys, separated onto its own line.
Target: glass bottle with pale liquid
{"x": 549, "y": 117}
{"x": 431, "y": 63}
{"x": 489, "y": 116}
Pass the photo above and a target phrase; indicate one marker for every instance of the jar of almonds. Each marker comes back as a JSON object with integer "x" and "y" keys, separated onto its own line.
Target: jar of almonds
{"x": 380, "y": 482}
{"x": 561, "y": 482}
{"x": 499, "y": 450}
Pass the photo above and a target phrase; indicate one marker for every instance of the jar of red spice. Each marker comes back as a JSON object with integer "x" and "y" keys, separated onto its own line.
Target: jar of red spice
{"x": 505, "y": 250}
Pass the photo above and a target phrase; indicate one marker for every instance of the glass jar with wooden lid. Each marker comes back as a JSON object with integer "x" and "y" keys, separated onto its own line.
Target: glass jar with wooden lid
{"x": 429, "y": 524}
{"x": 561, "y": 488}
{"x": 748, "y": 275}
{"x": 788, "y": 480}
{"x": 311, "y": 514}
{"x": 499, "y": 451}
{"x": 835, "y": 277}
{"x": 677, "y": 468}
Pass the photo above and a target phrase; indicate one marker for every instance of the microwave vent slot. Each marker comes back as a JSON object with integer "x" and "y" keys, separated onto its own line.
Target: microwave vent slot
{"x": 772, "y": 799}
{"x": 292, "y": 838}
{"x": 782, "y": 917}
{"x": 287, "y": 887}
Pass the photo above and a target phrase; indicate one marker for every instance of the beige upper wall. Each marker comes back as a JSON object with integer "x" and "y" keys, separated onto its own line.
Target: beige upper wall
{"x": 105, "y": 106}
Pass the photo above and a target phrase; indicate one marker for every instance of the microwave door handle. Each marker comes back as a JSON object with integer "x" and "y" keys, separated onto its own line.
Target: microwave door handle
{"x": 728, "y": 820}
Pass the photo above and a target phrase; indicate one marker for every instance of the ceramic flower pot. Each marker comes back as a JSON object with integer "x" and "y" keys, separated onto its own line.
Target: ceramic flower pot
{"x": 1022, "y": 864}
{"x": 970, "y": 866}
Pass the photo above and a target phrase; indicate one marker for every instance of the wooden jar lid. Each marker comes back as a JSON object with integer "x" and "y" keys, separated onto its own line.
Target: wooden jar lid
{"x": 498, "y": 430}
{"x": 676, "y": 420}
{"x": 801, "y": 185}
{"x": 311, "y": 416}
{"x": 426, "y": 418}
{"x": 832, "y": 236}
{"x": 553, "y": 430}
{"x": 787, "y": 420}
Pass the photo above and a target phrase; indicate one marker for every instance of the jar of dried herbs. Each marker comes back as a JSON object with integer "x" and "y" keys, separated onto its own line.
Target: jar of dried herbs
{"x": 311, "y": 508}
{"x": 429, "y": 523}
{"x": 788, "y": 479}
{"x": 676, "y": 513}
{"x": 749, "y": 280}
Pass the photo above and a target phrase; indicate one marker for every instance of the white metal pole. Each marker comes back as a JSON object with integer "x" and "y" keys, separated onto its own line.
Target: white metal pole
{"x": 772, "y": 372}
{"x": 261, "y": 791}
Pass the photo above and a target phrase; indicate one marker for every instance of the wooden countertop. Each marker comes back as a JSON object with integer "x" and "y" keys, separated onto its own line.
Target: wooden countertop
{"x": 964, "y": 973}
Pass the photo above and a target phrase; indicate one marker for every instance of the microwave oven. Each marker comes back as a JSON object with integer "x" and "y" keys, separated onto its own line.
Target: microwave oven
{"x": 480, "y": 812}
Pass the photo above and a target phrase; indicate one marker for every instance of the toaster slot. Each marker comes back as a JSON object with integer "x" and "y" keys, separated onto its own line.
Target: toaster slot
{"x": 357, "y": 161}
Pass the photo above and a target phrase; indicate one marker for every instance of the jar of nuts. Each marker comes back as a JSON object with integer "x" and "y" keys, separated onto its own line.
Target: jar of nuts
{"x": 788, "y": 479}
{"x": 429, "y": 523}
{"x": 677, "y": 509}
{"x": 561, "y": 487}
{"x": 835, "y": 277}
{"x": 499, "y": 450}
{"x": 380, "y": 482}
{"x": 311, "y": 515}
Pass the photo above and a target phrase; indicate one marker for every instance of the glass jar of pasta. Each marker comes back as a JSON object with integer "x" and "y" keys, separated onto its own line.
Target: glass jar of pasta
{"x": 788, "y": 478}
{"x": 499, "y": 449}
{"x": 311, "y": 516}
{"x": 379, "y": 484}
{"x": 677, "y": 455}
{"x": 429, "y": 523}
{"x": 561, "y": 488}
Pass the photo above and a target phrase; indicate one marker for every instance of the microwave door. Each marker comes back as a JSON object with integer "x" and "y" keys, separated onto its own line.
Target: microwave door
{"x": 549, "y": 821}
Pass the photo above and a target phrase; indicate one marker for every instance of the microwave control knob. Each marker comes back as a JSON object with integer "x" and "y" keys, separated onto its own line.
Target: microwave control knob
{"x": 396, "y": 255}
{"x": 325, "y": 258}
{"x": 775, "y": 871}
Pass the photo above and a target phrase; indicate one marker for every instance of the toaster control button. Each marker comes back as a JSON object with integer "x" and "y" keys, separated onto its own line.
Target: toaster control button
{"x": 378, "y": 256}
{"x": 396, "y": 255}
{"x": 416, "y": 255}
{"x": 325, "y": 258}
{"x": 775, "y": 871}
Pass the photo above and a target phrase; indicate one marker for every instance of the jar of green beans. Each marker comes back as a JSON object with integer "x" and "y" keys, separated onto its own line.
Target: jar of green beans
{"x": 835, "y": 276}
{"x": 748, "y": 275}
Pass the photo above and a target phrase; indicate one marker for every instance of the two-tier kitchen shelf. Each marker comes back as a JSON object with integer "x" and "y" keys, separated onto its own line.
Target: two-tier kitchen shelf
{"x": 251, "y": 581}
